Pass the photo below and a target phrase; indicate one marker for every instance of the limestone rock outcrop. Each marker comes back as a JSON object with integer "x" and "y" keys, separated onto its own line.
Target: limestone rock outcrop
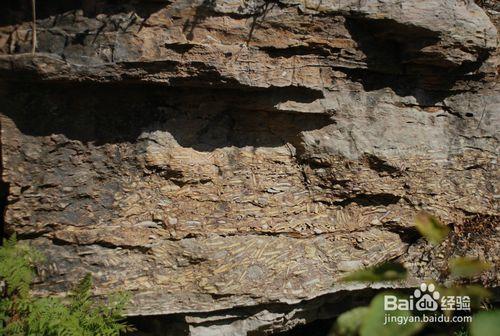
{"x": 227, "y": 161}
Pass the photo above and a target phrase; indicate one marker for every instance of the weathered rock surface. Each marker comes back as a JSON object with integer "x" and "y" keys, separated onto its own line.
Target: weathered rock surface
{"x": 230, "y": 160}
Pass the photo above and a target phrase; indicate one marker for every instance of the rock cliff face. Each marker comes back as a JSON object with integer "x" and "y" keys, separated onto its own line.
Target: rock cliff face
{"x": 228, "y": 161}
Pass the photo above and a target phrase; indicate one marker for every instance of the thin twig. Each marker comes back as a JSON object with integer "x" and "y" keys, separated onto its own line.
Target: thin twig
{"x": 33, "y": 40}
{"x": 482, "y": 114}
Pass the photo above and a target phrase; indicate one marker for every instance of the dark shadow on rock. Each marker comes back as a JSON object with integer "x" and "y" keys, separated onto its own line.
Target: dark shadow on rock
{"x": 207, "y": 8}
{"x": 18, "y": 11}
{"x": 202, "y": 11}
{"x": 395, "y": 58}
{"x": 315, "y": 315}
{"x": 390, "y": 47}
{"x": 201, "y": 118}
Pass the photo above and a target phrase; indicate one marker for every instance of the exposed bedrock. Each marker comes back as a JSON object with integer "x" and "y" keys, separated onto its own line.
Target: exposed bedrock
{"x": 228, "y": 161}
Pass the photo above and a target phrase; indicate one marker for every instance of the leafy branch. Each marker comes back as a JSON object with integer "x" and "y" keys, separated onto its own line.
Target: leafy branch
{"x": 368, "y": 320}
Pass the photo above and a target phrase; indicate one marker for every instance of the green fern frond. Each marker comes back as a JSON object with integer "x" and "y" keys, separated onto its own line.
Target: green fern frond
{"x": 21, "y": 314}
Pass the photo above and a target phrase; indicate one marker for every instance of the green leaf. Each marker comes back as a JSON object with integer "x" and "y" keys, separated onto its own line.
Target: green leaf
{"x": 485, "y": 323}
{"x": 349, "y": 323}
{"x": 431, "y": 228}
{"x": 467, "y": 267}
{"x": 80, "y": 295}
{"x": 23, "y": 315}
{"x": 471, "y": 290}
{"x": 476, "y": 293}
{"x": 374, "y": 323}
{"x": 388, "y": 271}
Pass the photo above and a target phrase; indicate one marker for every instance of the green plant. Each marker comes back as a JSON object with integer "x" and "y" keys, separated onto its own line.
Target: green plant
{"x": 79, "y": 315}
{"x": 485, "y": 323}
{"x": 365, "y": 321}
{"x": 431, "y": 228}
{"x": 383, "y": 272}
{"x": 369, "y": 320}
{"x": 467, "y": 267}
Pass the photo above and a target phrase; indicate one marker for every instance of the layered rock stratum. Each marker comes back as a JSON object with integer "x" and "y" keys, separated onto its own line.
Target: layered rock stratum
{"x": 228, "y": 161}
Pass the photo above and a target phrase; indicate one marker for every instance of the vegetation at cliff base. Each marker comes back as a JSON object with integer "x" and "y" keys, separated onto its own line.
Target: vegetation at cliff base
{"x": 372, "y": 320}
{"x": 23, "y": 314}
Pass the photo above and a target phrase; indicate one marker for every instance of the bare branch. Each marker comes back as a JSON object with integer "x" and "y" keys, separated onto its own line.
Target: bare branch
{"x": 33, "y": 41}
